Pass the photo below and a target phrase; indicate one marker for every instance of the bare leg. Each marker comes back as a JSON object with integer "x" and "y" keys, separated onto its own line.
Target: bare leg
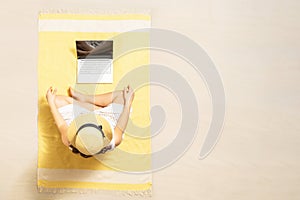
{"x": 61, "y": 101}
{"x": 101, "y": 100}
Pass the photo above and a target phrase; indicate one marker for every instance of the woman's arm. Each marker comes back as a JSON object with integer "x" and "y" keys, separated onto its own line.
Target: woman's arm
{"x": 121, "y": 125}
{"x": 123, "y": 119}
{"x": 60, "y": 122}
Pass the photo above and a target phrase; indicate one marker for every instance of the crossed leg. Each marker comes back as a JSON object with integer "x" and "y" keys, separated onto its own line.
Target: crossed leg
{"x": 100, "y": 100}
{"x": 90, "y": 102}
{"x": 61, "y": 100}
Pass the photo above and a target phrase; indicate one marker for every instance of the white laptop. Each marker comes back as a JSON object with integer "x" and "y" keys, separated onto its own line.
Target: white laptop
{"x": 94, "y": 61}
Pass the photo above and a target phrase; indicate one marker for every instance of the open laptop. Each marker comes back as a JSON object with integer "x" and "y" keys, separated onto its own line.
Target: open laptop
{"x": 94, "y": 61}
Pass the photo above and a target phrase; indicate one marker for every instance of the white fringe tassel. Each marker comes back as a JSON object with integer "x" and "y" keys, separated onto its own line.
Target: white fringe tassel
{"x": 128, "y": 193}
{"x": 95, "y": 11}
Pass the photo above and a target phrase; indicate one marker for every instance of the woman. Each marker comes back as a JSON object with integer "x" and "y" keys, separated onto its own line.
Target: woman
{"x": 113, "y": 107}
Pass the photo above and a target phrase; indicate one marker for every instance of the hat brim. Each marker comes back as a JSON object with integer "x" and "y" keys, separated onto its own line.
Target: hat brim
{"x": 89, "y": 146}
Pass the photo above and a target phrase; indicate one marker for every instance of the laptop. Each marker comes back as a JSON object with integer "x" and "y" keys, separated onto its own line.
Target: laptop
{"x": 94, "y": 61}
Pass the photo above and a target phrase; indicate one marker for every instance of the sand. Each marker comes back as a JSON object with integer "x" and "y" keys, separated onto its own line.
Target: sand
{"x": 255, "y": 46}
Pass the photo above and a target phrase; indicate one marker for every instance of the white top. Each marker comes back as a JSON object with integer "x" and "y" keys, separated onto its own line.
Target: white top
{"x": 111, "y": 113}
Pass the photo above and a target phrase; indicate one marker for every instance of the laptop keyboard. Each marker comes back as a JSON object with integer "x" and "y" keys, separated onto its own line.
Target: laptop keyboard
{"x": 95, "y": 66}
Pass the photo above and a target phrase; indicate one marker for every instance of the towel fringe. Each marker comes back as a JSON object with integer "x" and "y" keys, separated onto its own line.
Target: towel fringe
{"x": 95, "y": 11}
{"x": 127, "y": 193}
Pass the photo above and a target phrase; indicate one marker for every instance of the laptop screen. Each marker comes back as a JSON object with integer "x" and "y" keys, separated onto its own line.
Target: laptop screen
{"x": 94, "y": 61}
{"x": 94, "y": 49}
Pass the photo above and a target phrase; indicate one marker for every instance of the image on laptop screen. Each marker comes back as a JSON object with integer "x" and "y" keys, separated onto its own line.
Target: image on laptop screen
{"x": 94, "y": 61}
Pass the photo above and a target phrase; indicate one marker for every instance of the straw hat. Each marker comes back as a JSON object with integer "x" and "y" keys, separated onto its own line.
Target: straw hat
{"x": 85, "y": 133}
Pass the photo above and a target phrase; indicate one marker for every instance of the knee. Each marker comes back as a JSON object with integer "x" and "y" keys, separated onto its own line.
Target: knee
{"x": 120, "y": 94}
{"x": 58, "y": 101}
{"x": 62, "y": 101}
{"x": 119, "y": 97}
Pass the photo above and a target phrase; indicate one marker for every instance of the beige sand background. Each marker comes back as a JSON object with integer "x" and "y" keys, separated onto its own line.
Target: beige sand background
{"x": 256, "y": 46}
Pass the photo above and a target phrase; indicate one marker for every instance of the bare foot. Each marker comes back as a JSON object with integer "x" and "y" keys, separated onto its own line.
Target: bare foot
{"x": 76, "y": 95}
{"x": 70, "y": 92}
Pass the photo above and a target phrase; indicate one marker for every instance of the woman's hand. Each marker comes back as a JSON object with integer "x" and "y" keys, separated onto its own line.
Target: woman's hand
{"x": 128, "y": 94}
{"x": 50, "y": 95}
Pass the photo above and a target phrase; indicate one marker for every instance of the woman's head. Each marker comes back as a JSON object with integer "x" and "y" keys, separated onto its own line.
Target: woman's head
{"x": 89, "y": 134}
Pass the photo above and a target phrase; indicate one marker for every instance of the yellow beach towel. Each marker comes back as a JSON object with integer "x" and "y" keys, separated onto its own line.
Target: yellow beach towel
{"x": 59, "y": 169}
